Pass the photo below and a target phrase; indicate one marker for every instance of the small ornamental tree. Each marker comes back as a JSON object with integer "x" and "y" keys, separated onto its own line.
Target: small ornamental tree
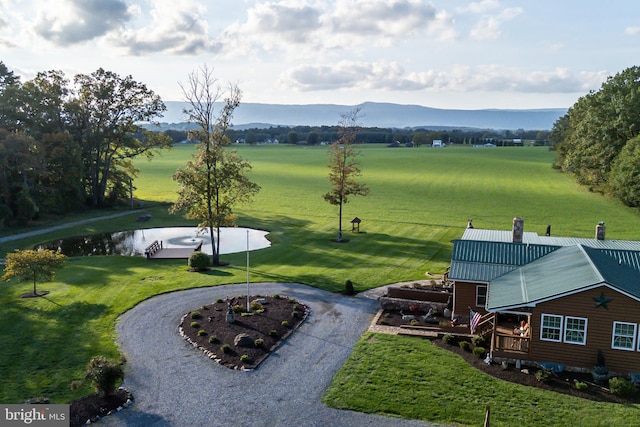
{"x": 33, "y": 265}
{"x": 344, "y": 167}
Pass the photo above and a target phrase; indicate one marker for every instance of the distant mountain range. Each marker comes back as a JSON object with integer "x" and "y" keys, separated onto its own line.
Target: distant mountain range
{"x": 375, "y": 114}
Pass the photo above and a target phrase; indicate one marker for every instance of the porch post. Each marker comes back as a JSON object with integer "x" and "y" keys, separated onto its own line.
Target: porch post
{"x": 493, "y": 334}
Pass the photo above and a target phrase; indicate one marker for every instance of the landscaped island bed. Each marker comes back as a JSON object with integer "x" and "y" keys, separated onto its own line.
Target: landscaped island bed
{"x": 246, "y": 340}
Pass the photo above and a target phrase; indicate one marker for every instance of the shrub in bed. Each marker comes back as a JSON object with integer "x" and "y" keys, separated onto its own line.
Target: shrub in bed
{"x": 479, "y": 352}
{"x": 199, "y": 261}
{"x": 478, "y": 341}
{"x": 621, "y": 387}
{"x": 448, "y": 339}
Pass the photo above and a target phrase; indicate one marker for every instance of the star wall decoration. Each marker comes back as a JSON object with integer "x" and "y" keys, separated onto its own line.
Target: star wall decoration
{"x": 602, "y": 301}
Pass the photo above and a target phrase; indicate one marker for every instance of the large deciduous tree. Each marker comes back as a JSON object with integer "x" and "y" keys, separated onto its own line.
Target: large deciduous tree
{"x": 22, "y": 167}
{"x": 344, "y": 167}
{"x": 216, "y": 180}
{"x": 33, "y": 265}
{"x": 591, "y": 136}
{"x": 107, "y": 113}
{"x": 625, "y": 174}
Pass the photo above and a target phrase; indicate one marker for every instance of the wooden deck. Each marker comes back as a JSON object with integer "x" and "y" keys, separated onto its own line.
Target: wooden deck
{"x": 156, "y": 250}
{"x": 172, "y": 253}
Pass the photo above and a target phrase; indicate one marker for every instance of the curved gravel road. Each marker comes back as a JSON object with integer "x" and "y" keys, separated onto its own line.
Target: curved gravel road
{"x": 176, "y": 385}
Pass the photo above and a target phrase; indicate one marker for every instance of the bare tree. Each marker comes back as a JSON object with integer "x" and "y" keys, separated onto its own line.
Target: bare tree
{"x": 216, "y": 180}
{"x": 343, "y": 165}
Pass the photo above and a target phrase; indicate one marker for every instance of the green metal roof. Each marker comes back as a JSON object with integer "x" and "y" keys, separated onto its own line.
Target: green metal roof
{"x": 566, "y": 270}
{"x": 483, "y": 261}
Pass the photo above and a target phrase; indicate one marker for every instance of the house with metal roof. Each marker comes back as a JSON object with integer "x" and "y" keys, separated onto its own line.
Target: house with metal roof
{"x": 576, "y": 296}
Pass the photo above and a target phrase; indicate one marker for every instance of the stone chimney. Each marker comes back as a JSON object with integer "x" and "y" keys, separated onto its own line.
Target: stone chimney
{"x": 518, "y": 229}
{"x": 600, "y": 231}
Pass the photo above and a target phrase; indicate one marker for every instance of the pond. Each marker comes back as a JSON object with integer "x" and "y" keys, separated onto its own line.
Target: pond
{"x": 134, "y": 242}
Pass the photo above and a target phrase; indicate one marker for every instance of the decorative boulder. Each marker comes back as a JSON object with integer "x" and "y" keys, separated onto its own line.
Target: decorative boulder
{"x": 243, "y": 340}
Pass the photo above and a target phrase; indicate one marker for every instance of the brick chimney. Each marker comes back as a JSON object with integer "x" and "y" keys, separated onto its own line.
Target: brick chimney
{"x": 600, "y": 231}
{"x": 518, "y": 229}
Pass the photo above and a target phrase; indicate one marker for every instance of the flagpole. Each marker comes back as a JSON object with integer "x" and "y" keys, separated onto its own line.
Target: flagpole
{"x": 248, "y": 307}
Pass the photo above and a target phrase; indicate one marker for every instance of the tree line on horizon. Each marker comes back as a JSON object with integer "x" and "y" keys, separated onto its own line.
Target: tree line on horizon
{"x": 316, "y": 135}
{"x": 598, "y": 140}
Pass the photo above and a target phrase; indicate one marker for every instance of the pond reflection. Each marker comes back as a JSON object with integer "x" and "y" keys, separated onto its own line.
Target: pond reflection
{"x": 134, "y": 242}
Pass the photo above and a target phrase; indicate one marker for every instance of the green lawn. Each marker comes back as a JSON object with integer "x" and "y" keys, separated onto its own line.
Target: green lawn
{"x": 420, "y": 200}
{"x": 411, "y": 377}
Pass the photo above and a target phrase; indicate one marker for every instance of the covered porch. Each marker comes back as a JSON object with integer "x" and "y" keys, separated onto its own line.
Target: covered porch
{"x": 509, "y": 334}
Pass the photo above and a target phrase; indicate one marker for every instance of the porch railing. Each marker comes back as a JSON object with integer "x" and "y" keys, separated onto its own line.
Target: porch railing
{"x": 486, "y": 324}
{"x": 510, "y": 342}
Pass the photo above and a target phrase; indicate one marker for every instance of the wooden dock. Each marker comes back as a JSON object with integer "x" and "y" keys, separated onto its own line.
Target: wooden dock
{"x": 156, "y": 250}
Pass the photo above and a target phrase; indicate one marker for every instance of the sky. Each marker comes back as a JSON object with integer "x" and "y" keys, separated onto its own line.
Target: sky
{"x": 440, "y": 53}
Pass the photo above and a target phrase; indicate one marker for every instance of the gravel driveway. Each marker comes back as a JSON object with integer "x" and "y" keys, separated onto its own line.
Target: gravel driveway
{"x": 176, "y": 385}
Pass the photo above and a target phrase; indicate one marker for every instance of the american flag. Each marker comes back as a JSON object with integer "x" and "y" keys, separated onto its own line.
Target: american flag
{"x": 475, "y": 317}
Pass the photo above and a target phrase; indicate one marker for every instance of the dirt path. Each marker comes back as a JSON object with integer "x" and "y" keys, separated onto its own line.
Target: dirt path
{"x": 65, "y": 225}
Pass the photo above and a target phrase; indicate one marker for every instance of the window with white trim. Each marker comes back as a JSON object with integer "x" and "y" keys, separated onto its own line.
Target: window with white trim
{"x": 624, "y": 336}
{"x": 481, "y": 295}
{"x": 575, "y": 330}
{"x": 551, "y": 328}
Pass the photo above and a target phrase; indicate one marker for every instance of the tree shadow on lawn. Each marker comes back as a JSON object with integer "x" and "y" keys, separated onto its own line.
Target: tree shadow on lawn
{"x": 50, "y": 338}
{"x": 319, "y": 249}
{"x": 214, "y": 271}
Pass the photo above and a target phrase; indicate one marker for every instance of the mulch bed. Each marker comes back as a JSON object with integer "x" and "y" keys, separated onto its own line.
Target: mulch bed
{"x": 563, "y": 382}
{"x": 206, "y": 327}
{"x": 95, "y": 406}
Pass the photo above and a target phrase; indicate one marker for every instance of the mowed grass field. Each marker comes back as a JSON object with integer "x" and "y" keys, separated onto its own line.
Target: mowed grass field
{"x": 420, "y": 200}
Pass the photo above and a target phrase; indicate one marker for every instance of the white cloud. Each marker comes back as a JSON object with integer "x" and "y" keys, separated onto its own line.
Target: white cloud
{"x": 632, "y": 31}
{"x": 385, "y": 18}
{"x": 287, "y": 26}
{"x": 177, "y": 28}
{"x": 443, "y": 27}
{"x": 479, "y": 7}
{"x": 67, "y": 22}
{"x": 303, "y": 28}
{"x": 489, "y": 27}
{"x": 390, "y": 76}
